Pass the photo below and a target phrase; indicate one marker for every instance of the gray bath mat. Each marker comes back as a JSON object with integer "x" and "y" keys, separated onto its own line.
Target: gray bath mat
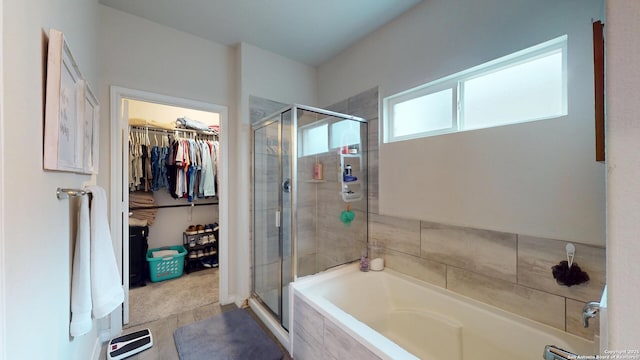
{"x": 227, "y": 336}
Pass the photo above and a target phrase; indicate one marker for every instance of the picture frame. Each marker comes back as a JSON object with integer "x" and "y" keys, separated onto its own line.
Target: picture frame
{"x": 71, "y": 113}
{"x": 91, "y": 127}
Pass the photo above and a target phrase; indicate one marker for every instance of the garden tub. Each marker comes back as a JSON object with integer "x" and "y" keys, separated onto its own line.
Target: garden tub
{"x": 348, "y": 314}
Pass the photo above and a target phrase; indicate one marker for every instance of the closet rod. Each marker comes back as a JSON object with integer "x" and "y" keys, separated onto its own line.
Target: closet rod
{"x": 200, "y": 132}
{"x": 169, "y": 206}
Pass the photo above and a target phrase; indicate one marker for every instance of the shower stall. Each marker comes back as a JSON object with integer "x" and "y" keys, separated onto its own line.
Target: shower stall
{"x": 309, "y": 199}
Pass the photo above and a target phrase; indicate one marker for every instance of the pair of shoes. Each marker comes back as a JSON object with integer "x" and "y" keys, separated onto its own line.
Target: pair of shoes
{"x": 200, "y": 229}
{"x": 191, "y": 230}
{"x": 200, "y": 253}
{"x": 202, "y": 240}
{"x": 192, "y": 255}
{"x": 208, "y": 263}
{"x": 211, "y": 227}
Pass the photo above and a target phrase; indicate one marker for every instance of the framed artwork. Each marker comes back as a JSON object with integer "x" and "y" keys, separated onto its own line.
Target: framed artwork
{"x": 71, "y": 113}
{"x": 91, "y": 125}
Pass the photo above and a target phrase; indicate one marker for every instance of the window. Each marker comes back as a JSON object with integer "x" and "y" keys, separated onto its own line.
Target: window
{"x": 344, "y": 133}
{"x": 438, "y": 107}
{"x": 525, "y": 86}
{"x": 314, "y": 139}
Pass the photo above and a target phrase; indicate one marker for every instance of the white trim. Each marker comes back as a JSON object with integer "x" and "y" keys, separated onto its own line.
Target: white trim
{"x": 97, "y": 348}
{"x": 3, "y": 317}
{"x": 118, "y": 128}
{"x": 124, "y": 220}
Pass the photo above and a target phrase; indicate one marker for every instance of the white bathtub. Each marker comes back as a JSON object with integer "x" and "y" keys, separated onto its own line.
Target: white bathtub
{"x": 348, "y": 314}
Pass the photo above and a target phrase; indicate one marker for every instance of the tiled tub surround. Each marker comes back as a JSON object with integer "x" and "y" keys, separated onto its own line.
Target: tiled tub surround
{"x": 348, "y": 314}
{"x": 508, "y": 271}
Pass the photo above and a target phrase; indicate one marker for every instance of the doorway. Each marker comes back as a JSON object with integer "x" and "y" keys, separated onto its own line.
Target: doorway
{"x": 122, "y": 102}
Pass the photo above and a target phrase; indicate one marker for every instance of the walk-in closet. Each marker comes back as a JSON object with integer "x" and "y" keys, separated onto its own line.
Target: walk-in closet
{"x": 172, "y": 167}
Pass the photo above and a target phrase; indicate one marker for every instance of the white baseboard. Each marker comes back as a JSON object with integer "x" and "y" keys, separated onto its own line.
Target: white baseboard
{"x": 97, "y": 347}
{"x": 231, "y": 299}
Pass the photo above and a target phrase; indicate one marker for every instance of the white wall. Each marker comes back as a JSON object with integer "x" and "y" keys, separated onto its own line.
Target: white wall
{"x": 36, "y": 225}
{"x": 623, "y": 180}
{"x": 537, "y": 178}
{"x": 268, "y": 75}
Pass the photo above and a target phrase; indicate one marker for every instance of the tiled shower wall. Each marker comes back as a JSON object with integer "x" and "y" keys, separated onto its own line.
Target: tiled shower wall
{"x": 323, "y": 241}
{"x": 509, "y": 271}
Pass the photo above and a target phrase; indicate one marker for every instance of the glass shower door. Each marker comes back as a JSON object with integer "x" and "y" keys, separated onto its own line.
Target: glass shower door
{"x": 266, "y": 203}
{"x": 287, "y": 213}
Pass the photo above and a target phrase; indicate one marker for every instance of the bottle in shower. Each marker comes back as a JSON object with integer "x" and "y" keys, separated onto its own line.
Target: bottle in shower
{"x": 317, "y": 171}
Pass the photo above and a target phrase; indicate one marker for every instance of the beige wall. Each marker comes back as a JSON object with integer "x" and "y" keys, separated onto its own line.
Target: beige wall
{"x": 267, "y": 75}
{"x": 623, "y": 180}
{"x": 538, "y": 178}
{"x": 38, "y": 227}
{"x": 138, "y": 54}
{"x": 3, "y": 352}
{"x": 168, "y": 114}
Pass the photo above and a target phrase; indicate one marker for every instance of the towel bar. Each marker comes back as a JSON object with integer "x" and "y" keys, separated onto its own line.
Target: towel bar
{"x": 62, "y": 193}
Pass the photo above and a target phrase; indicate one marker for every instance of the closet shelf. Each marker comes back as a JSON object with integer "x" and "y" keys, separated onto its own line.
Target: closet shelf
{"x": 173, "y": 131}
{"x": 171, "y": 206}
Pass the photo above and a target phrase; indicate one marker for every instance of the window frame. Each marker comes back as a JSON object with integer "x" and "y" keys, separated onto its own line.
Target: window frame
{"x": 415, "y": 94}
{"x": 456, "y": 83}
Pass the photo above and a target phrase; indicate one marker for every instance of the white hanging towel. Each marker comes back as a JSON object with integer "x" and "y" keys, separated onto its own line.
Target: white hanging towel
{"x": 81, "y": 322}
{"x": 106, "y": 289}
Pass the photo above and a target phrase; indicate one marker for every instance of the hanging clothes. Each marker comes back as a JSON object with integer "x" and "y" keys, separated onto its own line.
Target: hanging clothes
{"x": 186, "y": 167}
{"x": 207, "y": 184}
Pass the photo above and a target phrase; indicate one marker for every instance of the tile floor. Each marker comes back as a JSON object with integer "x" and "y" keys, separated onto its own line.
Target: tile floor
{"x": 164, "y": 347}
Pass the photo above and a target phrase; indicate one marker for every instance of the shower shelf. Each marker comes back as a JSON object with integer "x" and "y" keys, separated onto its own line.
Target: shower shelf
{"x": 313, "y": 181}
{"x": 351, "y": 197}
{"x": 351, "y": 190}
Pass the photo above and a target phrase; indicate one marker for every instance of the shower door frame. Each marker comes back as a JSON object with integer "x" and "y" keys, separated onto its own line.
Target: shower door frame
{"x": 267, "y": 121}
{"x": 293, "y": 153}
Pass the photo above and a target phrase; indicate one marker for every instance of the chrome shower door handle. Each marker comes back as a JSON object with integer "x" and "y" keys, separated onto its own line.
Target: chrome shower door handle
{"x": 286, "y": 185}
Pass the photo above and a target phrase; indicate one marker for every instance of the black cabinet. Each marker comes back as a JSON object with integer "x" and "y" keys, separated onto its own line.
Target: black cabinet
{"x": 138, "y": 246}
{"x": 202, "y": 248}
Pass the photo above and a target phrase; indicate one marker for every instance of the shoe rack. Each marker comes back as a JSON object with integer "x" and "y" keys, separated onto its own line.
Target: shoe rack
{"x": 201, "y": 243}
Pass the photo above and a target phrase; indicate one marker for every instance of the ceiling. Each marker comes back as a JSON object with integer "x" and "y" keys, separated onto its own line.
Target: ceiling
{"x": 308, "y": 31}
